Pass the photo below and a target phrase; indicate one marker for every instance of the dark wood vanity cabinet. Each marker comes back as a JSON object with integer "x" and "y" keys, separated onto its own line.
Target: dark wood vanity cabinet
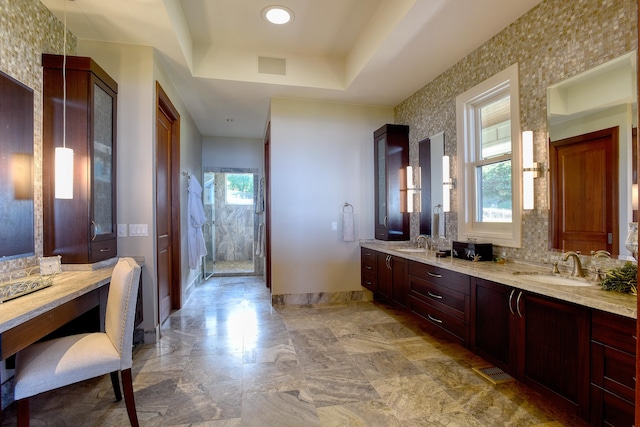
{"x": 442, "y": 298}
{"x": 384, "y": 275}
{"x": 553, "y": 349}
{"x": 613, "y": 371}
{"x": 391, "y": 157}
{"x": 495, "y": 326}
{"x": 368, "y": 269}
{"x": 542, "y": 341}
{"x": 82, "y": 229}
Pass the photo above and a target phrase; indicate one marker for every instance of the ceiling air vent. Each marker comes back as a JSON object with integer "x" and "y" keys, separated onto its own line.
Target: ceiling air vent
{"x": 268, "y": 65}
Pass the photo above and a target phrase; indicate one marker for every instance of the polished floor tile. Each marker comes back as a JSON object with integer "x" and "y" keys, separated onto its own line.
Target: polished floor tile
{"x": 230, "y": 359}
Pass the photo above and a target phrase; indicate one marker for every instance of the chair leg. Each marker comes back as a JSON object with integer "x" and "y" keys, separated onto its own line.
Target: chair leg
{"x": 115, "y": 381}
{"x": 23, "y": 412}
{"x": 127, "y": 385}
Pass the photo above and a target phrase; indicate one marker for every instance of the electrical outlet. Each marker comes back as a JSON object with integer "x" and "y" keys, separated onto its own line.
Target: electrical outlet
{"x": 122, "y": 230}
{"x": 334, "y": 226}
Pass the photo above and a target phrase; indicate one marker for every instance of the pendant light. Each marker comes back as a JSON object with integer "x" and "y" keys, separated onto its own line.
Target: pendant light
{"x": 63, "y": 155}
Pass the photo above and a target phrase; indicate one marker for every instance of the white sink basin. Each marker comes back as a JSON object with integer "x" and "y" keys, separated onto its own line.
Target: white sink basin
{"x": 548, "y": 279}
{"x": 410, "y": 249}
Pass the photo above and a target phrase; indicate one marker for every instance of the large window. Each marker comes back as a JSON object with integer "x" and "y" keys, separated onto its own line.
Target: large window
{"x": 239, "y": 188}
{"x": 489, "y": 184}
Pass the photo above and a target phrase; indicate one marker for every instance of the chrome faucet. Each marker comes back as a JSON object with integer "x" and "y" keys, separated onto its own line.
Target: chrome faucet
{"x": 422, "y": 236}
{"x": 577, "y": 265}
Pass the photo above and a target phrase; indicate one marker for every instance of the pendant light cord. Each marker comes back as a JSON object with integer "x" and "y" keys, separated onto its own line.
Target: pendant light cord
{"x": 64, "y": 80}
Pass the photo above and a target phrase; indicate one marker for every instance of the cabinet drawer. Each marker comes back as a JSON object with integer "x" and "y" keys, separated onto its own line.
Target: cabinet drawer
{"x": 368, "y": 280}
{"x": 451, "y": 324}
{"x": 104, "y": 249}
{"x": 613, "y": 330}
{"x": 613, "y": 370}
{"x": 610, "y": 410}
{"x": 452, "y": 280}
{"x": 440, "y": 296}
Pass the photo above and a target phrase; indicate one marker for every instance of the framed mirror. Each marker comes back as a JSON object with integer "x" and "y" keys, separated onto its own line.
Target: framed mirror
{"x": 592, "y": 119}
{"x": 430, "y": 152}
{"x": 16, "y": 169}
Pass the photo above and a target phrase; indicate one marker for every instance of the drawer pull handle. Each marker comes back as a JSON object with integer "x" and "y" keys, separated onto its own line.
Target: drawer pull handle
{"x": 513, "y": 291}
{"x": 434, "y": 295}
{"x": 518, "y": 304}
{"x": 368, "y": 267}
{"x": 368, "y": 282}
{"x": 105, "y": 249}
{"x": 434, "y": 274}
{"x": 634, "y": 337}
{"x": 434, "y": 319}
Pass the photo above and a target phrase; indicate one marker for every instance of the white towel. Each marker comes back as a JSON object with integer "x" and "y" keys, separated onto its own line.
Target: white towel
{"x": 348, "y": 227}
{"x": 260, "y": 242}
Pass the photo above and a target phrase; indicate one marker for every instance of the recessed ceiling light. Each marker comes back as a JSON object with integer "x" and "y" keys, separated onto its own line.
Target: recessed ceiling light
{"x": 277, "y": 14}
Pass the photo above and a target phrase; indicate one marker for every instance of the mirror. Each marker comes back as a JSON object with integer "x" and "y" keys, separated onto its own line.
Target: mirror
{"x": 16, "y": 169}
{"x": 430, "y": 152}
{"x": 598, "y": 99}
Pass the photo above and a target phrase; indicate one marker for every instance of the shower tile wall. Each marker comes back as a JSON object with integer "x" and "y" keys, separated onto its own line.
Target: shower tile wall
{"x": 234, "y": 226}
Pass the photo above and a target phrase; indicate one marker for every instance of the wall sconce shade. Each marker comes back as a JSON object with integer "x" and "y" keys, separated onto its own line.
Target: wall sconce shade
{"x": 410, "y": 189}
{"x": 530, "y": 170}
{"x": 447, "y": 183}
{"x": 64, "y": 173}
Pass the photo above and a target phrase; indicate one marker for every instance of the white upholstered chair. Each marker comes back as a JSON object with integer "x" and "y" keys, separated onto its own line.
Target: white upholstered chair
{"x": 62, "y": 361}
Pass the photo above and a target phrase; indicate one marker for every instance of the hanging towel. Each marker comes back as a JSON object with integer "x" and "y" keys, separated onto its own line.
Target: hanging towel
{"x": 197, "y": 218}
{"x": 435, "y": 232}
{"x": 348, "y": 226}
{"x": 260, "y": 243}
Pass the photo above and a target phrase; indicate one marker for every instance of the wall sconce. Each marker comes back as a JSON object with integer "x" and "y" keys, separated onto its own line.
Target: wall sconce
{"x": 412, "y": 179}
{"x": 448, "y": 184}
{"x": 63, "y": 166}
{"x": 530, "y": 170}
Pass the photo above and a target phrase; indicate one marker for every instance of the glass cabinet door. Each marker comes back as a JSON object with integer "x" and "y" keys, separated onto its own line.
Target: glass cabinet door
{"x": 102, "y": 171}
{"x": 381, "y": 147}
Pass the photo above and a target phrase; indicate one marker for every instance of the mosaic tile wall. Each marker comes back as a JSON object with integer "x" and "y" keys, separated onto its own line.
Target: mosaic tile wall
{"x": 28, "y": 30}
{"x": 555, "y": 40}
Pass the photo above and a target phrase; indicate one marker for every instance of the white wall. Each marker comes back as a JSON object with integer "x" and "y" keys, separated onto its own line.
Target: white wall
{"x": 218, "y": 152}
{"x": 136, "y": 70}
{"x": 321, "y": 157}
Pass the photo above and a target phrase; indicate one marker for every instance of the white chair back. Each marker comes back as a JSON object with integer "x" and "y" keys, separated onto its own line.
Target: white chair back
{"x": 121, "y": 304}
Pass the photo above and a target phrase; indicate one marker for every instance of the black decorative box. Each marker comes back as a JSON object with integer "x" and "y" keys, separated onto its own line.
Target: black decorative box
{"x": 473, "y": 251}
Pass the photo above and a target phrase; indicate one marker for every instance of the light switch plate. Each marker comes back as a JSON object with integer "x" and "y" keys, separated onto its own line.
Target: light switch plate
{"x": 122, "y": 230}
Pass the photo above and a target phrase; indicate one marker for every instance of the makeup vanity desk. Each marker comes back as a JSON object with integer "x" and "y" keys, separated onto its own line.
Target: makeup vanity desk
{"x": 28, "y": 318}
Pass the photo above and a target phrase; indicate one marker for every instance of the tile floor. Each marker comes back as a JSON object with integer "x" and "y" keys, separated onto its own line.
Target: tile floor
{"x": 229, "y": 358}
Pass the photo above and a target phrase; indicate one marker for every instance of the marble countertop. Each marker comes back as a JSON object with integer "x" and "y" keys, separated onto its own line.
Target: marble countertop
{"x": 66, "y": 286}
{"x": 507, "y": 274}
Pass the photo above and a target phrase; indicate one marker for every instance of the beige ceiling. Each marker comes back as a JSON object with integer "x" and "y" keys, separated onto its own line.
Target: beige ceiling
{"x": 373, "y": 52}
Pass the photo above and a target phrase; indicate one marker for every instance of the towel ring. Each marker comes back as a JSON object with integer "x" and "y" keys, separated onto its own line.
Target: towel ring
{"x": 347, "y": 205}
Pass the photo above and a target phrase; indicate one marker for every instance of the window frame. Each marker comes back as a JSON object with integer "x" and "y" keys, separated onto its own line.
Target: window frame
{"x": 499, "y": 233}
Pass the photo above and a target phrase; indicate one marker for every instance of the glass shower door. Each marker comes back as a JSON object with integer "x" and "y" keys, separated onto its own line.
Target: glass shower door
{"x": 208, "y": 229}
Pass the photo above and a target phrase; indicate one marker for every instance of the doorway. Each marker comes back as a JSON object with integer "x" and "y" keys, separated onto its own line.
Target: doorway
{"x": 167, "y": 205}
{"x": 231, "y": 228}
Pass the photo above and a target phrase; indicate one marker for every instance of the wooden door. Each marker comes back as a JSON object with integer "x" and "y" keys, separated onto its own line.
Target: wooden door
{"x": 267, "y": 206}
{"x": 584, "y": 192}
{"x": 167, "y": 205}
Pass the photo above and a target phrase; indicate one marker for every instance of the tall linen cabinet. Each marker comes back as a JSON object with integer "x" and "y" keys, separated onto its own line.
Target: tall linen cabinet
{"x": 83, "y": 230}
{"x": 391, "y": 157}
